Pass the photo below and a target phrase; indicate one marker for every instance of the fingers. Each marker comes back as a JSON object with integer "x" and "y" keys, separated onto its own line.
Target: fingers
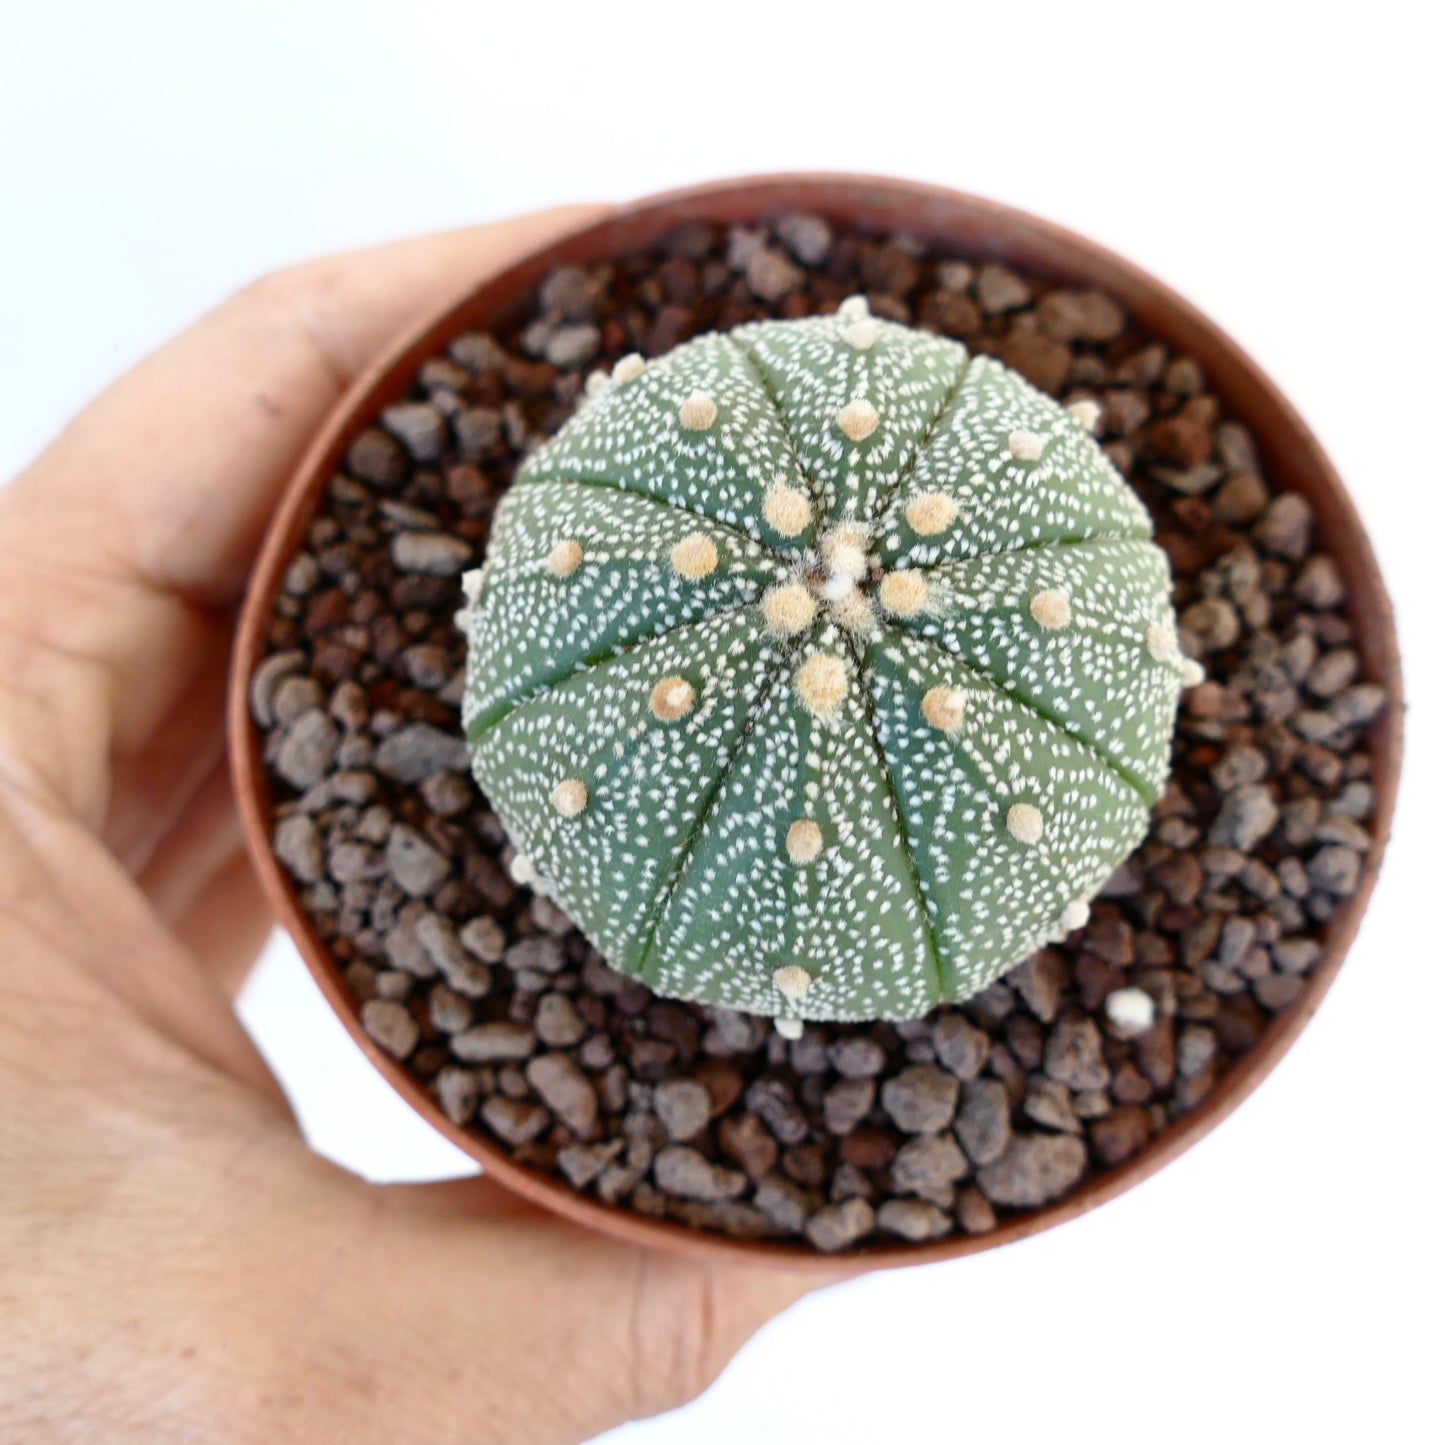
{"x": 539, "y": 1331}
{"x": 94, "y": 986}
{"x": 122, "y": 545}
{"x": 227, "y": 924}
{"x": 171, "y": 475}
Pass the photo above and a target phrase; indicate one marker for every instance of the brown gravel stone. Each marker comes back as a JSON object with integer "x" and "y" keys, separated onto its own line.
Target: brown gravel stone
{"x": 1035, "y": 1169}
{"x": 958, "y": 1046}
{"x": 975, "y": 1213}
{"x": 565, "y": 1090}
{"x": 983, "y": 1122}
{"x": 1075, "y": 1054}
{"x": 690, "y": 1175}
{"x": 1120, "y": 1134}
{"x": 513, "y": 1120}
{"x": 836, "y": 1226}
{"x": 494, "y": 1043}
{"x": 913, "y": 1219}
{"x": 921, "y": 1099}
{"x": 847, "y": 1103}
{"x": 856, "y": 1058}
{"x": 926, "y": 1164}
{"x": 683, "y": 1105}
{"x": 458, "y": 1091}
{"x": 746, "y": 1141}
{"x": 391, "y": 1025}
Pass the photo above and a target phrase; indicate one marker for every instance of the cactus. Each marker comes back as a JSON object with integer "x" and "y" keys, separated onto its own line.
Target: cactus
{"x": 819, "y": 669}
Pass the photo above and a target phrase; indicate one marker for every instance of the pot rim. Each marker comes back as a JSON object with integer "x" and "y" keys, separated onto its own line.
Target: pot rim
{"x": 983, "y": 230}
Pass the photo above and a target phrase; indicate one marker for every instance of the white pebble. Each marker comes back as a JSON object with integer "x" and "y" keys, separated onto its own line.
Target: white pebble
{"x": 1130, "y": 1010}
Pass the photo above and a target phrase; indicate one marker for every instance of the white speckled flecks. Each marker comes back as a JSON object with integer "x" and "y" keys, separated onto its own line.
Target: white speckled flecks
{"x": 907, "y": 376}
{"x": 678, "y": 867}
{"x": 632, "y": 438}
{"x": 852, "y": 917}
{"x": 650, "y": 784}
{"x": 1091, "y": 675}
{"x": 618, "y": 596}
{"x": 1072, "y": 491}
{"x": 994, "y": 898}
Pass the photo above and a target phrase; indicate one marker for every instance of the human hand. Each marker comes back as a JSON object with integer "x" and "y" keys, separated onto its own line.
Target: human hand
{"x": 175, "y": 1263}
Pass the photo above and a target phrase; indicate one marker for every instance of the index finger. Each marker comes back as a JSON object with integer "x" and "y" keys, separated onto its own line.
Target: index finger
{"x": 127, "y": 542}
{"x": 172, "y": 473}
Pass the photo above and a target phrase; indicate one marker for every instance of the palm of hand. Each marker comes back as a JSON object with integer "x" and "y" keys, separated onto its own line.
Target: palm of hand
{"x": 174, "y": 1261}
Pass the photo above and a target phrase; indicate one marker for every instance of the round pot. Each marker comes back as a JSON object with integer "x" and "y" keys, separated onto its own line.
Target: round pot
{"x": 978, "y": 229}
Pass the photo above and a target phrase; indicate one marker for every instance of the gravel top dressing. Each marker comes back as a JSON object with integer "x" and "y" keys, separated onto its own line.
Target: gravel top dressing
{"x": 852, "y": 1133}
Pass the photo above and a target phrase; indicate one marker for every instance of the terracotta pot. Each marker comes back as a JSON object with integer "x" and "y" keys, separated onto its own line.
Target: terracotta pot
{"x": 976, "y": 229}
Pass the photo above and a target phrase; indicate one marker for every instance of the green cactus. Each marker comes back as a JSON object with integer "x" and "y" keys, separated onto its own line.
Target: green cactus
{"x": 820, "y": 670}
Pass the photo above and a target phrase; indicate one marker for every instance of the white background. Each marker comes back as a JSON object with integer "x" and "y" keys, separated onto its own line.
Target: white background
{"x": 1278, "y": 163}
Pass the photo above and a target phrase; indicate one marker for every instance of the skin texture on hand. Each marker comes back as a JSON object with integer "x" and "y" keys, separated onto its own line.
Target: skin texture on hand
{"x": 175, "y": 1264}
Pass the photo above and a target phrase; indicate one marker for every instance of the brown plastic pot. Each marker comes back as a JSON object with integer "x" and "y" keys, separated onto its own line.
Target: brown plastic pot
{"x": 973, "y": 228}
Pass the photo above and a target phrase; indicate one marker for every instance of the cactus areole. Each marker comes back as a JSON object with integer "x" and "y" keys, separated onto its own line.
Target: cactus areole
{"x": 819, "y": 669}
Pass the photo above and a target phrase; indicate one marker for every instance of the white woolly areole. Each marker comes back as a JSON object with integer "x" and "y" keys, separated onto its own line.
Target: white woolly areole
{"x": 672, "y": 698}
{"x": 789, "y": 608}
{"x": 1160, "y": 642}
{"x": 1086, "y": 413}
{"x": 1075, "y": 915}
{"x": 944, "y": 707}
{"x": 1025, "y": 446}
{"x": 597, "y": 382}
{"x": 1191, "y": 673}
{"x": 569, "y": 797}
{"x": 930, "y": 513}
{"x": 698, "y": 412}
{"x": 858, "y": 420}
{"x": 845, "y": 552}
{"x": 789, "y": 1029}
{"x": 1130, "y": 1010}
{"x": 629, "y": 368}
{"x": 1025, "y": 823}
{"x": 851, "y": 610}
{"x": 787, "y": 511}
{"x": 565, "y": 558}
{"x": 695, "y": 556}
{"x": 822, "y": 683}
{"x": 522, "y": 870}
{"x": 855, "y": 308}
{"x": 472, "y": 584}
{"x": 905, "y": 593}
{"x": 792, "y": 981}
{"x": 861, "y": 335}
{"x": 1050, "y": 609}
{"x": 805, "y": 840}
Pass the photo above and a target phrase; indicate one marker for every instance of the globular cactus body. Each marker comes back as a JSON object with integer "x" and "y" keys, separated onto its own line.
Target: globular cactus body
{"x": 821, "y": 670}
